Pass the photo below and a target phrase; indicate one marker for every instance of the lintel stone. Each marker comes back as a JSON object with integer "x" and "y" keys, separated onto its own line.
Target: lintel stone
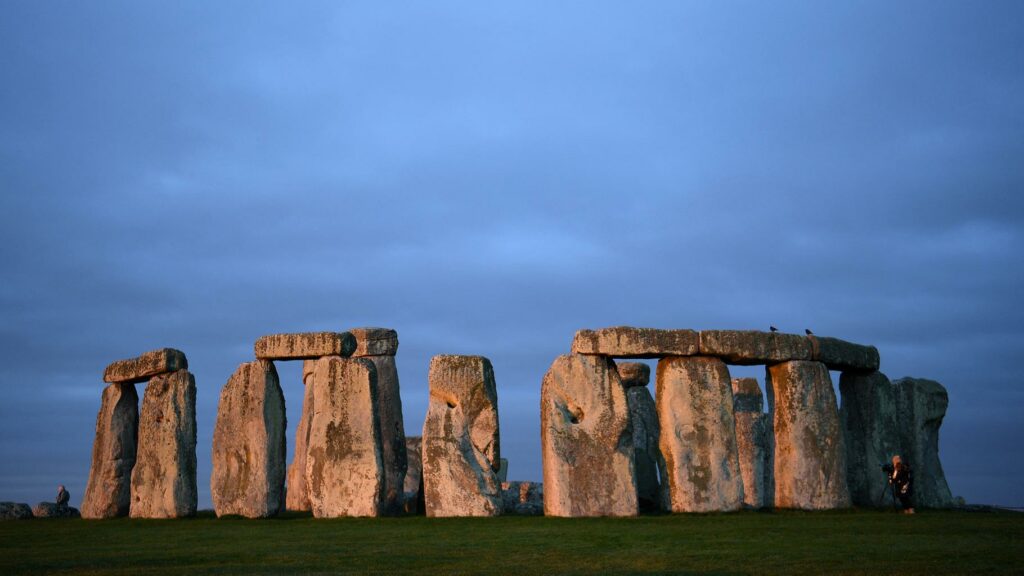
{"x": 145, "y": 366}
{"x": 305, "y": 346}
{"x": 748, "y": 347}
{"x": 631, "y": 342}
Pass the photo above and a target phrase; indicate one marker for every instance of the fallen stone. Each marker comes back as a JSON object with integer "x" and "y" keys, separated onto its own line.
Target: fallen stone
{"x": 108, "y": 493}
{"x": 522, "y": 498}
{"x": 144, "y": 367}
{"x": 305, "y": 346}
{"x": 752, "y": 440}
{"x": 634, "y": 373}
{"x": 344, "y": 463}
{"x": 872, "y": 435}
{"x": 413, "y": 487}
{"x": 297, "y": 497}
{"x": 809, "y": 452}
{"x": 646, "y": 432}
{"x": 249, "y": 444}
{"x": 698, "y": 435}
{"x": 630, "y": 342}
{"x": 461, "y": 446}
{"x": 392, "y": 432}
{"x": 586, "y": 439}
{"x": 52, "y": 510}
{"x": 375, "y": 342}
{"x": 15, "y": 511}
{"x": 164, "y": 477}
{"x": 747, "y": 347}
{"x": 921, "y": 406}
{"x": 841, "y": 355}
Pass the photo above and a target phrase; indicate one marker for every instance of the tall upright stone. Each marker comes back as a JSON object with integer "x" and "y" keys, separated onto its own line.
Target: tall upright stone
{"x": 344, "y": 466}
{"x": 586, "y": 439}
{"x": 871, "y": 435}
{"x": 164, "y": 477}
{"x": 809, "y": 452}
{"x": 461, "y": 440}
{"x": 698, "y": 435}
{"x": 392, "y": 432}
{"x": 921, "y": 405}
{"x": 249, "y": 444}
{"x": 752, "y": 442}
{"x": 413, "y": 486}
{"x": 297, "y": 496}
{"x": 646, "y": 432}
{"x": 108, "y": 493}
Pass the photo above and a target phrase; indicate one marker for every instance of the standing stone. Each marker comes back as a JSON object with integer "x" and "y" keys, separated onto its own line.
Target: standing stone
{"x": 698, "y": 435}
{"x": 921, "y": 406}
{"x": 461, "y": 446}
{"x": 108, "y": 493}
{"x": 872, "y": 435}
{"x": 297, "y": 498}
{"x": 164, "y": 477}
{"x": 586, "y": 439}
{"x": 522, "y": 498}
{"x": 646, "y": 432}
{"x": 809, "y": 452}
{"x": 344, "y": 467}
{"x": 751, "y": 440}
{"x": 392, "y": 432}
{"x": 413, "y": 487}
{"x": 249, "y": 444}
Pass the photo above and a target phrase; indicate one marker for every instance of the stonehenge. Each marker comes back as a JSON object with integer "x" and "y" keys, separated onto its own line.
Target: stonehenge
{"x": 249, "y": 444}
{"x": 752, "y": 441}
{"x": 144, "y": 462}
{"x": 702, "y": 443}
{"x": 586, "y": 439}
{"x": 698, "y": 435}
{"x": 461, "y": 441}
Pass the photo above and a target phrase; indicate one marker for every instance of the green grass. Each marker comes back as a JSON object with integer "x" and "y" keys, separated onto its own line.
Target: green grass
{"x": 849, "y": 542}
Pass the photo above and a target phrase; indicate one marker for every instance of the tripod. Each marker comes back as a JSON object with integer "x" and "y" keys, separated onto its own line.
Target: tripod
{"x": 892, "y": 491}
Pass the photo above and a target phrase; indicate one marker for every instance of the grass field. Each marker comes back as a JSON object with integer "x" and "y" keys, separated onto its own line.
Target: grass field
{"x": 849, "y": 542}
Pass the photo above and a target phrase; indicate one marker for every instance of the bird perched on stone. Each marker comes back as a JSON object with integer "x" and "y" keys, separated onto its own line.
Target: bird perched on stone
{"x": 773, "y": 328}
{"x": 808, "y": 331}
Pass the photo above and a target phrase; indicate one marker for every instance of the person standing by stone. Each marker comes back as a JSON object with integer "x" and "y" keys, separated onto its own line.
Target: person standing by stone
{"x": 63, "y": 497}
{"x": 902, "y": 481}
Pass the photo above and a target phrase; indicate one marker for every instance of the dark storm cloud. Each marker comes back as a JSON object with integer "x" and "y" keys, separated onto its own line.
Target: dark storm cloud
{"x": 489, "y": 180}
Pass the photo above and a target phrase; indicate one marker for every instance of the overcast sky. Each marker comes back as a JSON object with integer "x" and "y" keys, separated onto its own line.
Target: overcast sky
{"x": 487, "y": 180}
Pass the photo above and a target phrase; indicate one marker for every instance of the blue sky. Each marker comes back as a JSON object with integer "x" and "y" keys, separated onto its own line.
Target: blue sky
{"x": 489, "y": 179}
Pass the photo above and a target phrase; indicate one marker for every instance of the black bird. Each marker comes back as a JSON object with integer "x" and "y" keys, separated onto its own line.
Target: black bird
{"x": 773, "y": 328}
{"x": 808, "y": 331}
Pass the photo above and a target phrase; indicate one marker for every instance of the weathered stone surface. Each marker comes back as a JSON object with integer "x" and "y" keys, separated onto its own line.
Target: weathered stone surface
{"x": 392, "y": 432}
{"x": 586, "y": 439}
{"x": 809, "y": 452}
{"x": 646, "y": 433}
{"x": 752, "y": 441}
{"x": 108, "y": 493}
{"x": 461, "y": 440}
{"x": 630, "y": 342}
{"x": 52, "y": 510}
{"x": 305, "y": 346}
{"x": 164, "y": 476}
{"x": 344, "y": 465}
{"x": 144, "y": 367}
{"x": 297, "y": 497}
{"x": 249, "y": 444}
{"x": 375, "y": 342}
{"x": 698, "y": 435}
{"x": 634, "y": 373}
{"x": 746, "y": 347}
{"x": 871, "y": 435}
{"x": 841, "y": 355}
{"x": 414, "y": 476}
{"x": 921, "y": 406}
{"x": 15, "y": 511}
{"x": 522, "y": 498}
